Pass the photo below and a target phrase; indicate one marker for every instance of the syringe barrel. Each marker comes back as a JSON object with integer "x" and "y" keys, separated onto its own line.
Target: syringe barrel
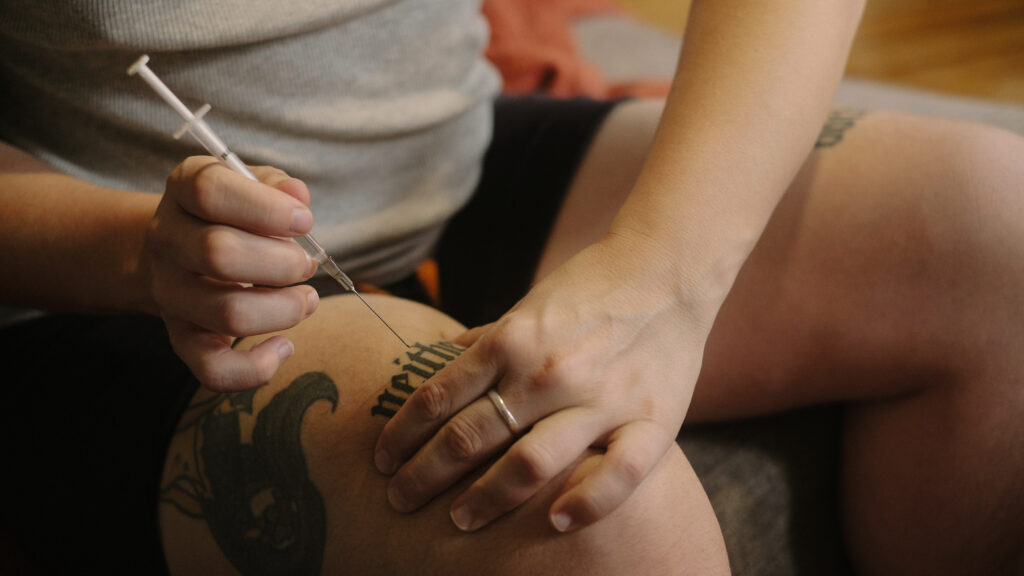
{"x": 317, "y": 252}
{"x": 232, "y": 161}
{"x": 312, "y": 247}
{"x": 198, "y": 128}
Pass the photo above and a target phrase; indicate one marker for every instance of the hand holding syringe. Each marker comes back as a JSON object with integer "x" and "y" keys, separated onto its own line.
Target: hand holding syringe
{"x": 195, "y": 125}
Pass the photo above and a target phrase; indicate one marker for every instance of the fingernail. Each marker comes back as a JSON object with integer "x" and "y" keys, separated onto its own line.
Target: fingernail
{"x": 312, "y": 302}
{"x": 310, "y": 266}
{"x": 561, "y": 521}
{"x": 285, "y": 350}
{"x": 462, "y": 517}
{"x": 302, "y": 220}
{"x": 383, "y": 462}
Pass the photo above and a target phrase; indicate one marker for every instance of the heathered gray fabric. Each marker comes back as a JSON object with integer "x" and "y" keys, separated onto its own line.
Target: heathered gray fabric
{"x": 381, "y": 106}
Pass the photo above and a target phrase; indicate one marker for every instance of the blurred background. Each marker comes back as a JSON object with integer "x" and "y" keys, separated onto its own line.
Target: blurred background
{"x": 962, "y": 47}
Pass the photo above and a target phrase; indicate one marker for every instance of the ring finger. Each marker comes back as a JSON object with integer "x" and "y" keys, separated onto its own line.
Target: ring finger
{"x": 470, "y": 437}
{"x": 551, "y": 446}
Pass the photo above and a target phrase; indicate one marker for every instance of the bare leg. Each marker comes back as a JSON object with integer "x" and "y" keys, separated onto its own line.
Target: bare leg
{"x": 286, "y": 481}
{"x": 889, "y": 278}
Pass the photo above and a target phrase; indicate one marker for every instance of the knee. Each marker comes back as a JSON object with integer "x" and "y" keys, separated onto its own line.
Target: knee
{"x": 979, "y": 169}
{"x": 959, "y": 231}
{"x": 666, "y": 527}
{"x": 971, "y": 266}
{"x": 983, "y": 235}
{"x": 282, "y": 479}
{"x": 985, "y": 156}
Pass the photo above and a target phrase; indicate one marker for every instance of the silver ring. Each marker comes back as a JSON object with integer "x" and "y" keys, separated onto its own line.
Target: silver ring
{"x": 506, "y": 415}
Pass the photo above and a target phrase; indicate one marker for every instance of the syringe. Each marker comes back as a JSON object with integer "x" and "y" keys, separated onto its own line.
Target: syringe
{"x": 198, "y": 128}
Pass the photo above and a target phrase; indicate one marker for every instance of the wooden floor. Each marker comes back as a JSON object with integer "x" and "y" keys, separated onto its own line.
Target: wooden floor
{"x": 967, "y": 47}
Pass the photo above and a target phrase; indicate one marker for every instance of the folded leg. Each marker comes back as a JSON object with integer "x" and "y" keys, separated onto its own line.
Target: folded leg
{"x": 888, "y": 279}
{"x": 282, "y": 480}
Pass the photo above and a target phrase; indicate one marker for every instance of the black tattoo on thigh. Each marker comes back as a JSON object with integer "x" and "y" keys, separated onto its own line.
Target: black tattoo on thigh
{"x": 839, "y": 121}
{"x": 422, "y": 364}
{"x": 249, "y": 480}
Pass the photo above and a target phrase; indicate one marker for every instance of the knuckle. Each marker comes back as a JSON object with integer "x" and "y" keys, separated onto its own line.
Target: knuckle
{"x": 262, "y": 370}
{"x": 215, "y": 382}
{"x": 588, "y": 508}
{"x": 204, "y": 367}
{"x": 410, "y": 485}
{"x": 513, "y": 338}
{"x": 299, "y": 261}
{"x": 209, "y": 374}
{"x": 430, "y": 401}
{"x": 219, "y": 250}
{"x": 534, "y": 461}
{"x": 631, "y": 469}
{"x": 270, "y": 175}
{"x": 299, "y": 300}
{"x": 233, "y": 317}
{"x": 206, "y": 191}
{"x": 556, "y": 374}
{"x": 463, "y": 439}
{"x": 179, "y": 174}
{"x": 497, "y": 498}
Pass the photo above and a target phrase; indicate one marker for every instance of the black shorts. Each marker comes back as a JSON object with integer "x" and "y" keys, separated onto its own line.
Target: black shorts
{"x": 490, "y": 250}
{"x": 92, "y": 402}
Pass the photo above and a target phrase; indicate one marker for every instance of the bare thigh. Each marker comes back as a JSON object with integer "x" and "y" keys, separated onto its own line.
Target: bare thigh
{"x": 866, "y": 281}
{"x": 282, "y": 480}
{"x": 888, "y": 279}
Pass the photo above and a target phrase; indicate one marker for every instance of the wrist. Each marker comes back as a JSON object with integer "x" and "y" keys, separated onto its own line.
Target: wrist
{"x": 69, "y": 244}
{"x": 692, "y": 279}
{"x": 133, "y": 267}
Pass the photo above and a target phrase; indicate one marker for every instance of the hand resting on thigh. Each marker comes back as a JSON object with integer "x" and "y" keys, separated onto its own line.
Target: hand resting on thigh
{"x": 281, "y": 479}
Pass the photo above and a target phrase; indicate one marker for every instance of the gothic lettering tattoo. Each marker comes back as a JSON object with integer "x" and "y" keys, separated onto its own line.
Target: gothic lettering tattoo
{"x": 839, "y": 121}
{"x": 422, "y": 364}
{"x": 250, "y": 482}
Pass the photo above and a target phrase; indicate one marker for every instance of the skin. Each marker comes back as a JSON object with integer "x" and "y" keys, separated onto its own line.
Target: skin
{"x": 225, "y": 511}
{"x": 206, "y": 247}
{"x": 880, "y": 271}
{"x": 582, "y": 357}
{"x": 885, "y": 278}
{"x": 190, "y": 255}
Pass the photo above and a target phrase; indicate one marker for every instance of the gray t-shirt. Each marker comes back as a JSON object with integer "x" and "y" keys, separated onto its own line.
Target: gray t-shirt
{"x": 381, "y": 106}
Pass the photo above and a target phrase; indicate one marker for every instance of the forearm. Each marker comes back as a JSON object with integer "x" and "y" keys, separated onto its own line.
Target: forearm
{"x": 67, "y": 244}
{"x": 755, "y": 83}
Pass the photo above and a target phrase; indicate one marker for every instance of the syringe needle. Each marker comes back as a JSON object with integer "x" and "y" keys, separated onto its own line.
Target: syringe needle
{"x": 370, "y": 308}
{"x": 332, "y": 269}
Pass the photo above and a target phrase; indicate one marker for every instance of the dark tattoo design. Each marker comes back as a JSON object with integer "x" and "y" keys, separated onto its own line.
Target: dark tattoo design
{"x": 422, "y": 364}
{"x": 253, "y": 488}
{"x": 839, "y": 121}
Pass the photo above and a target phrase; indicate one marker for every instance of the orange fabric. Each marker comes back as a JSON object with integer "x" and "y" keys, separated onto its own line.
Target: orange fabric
{"x": 365, "y": 288}
{"x": 533, "y": 47}
{"x": 430, "y": 278}
{"x": 428, "y": 275}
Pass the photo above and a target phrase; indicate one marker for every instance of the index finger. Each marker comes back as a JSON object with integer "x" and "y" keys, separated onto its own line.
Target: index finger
{"x": 460, "y": 382}
{"x": 222, "y": 368}
{"x": 210, "y": 191}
